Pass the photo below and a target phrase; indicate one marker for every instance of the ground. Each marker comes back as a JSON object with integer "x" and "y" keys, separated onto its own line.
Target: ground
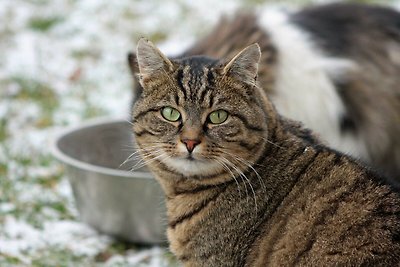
{"x": 62, "y": 62}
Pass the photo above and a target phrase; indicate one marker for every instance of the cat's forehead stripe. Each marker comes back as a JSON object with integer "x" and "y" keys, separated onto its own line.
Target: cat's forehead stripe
{"x": 179, "y": 78}
{"x": 186, "y": 81}
{"x": 203, "y": 83}
{"x": 195, "y": 81}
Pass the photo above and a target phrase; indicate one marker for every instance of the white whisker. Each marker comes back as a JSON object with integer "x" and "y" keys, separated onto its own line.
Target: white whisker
{"x": 270, "y": 142}
{"x": 129, "y": 122}
{"x": 243, "y": 177}
{"x": 253, "y": 169}
{"x": 226, "y": 167}
{"x": 147, "y": 162}
{"x": 138, "y": 150}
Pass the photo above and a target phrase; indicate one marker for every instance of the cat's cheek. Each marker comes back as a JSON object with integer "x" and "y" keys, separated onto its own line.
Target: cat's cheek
{"x": 224, "y": 133}
{"x": 163, "y": 128}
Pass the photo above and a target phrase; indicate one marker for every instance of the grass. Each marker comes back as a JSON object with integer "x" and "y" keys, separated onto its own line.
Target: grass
{"x": 43, "y": 24}
{"x": 3, "y": 130}
{"x": 58, "y": 257}
{"x": 37, "y": 91}
{"x": 9, "y": 261}
{"x": 81, "y": 54}
{"x": 31, "y": 90}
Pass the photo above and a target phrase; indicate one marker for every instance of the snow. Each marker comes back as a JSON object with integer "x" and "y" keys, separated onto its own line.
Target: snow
{"x": 80, "y": 239}
{"x": 134, "y": 258}
{"x": 20, "y": 237}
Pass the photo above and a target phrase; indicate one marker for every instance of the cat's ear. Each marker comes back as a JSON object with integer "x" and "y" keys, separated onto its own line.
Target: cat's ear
{"x": 132, "y": 63}
{"x": 151, "y": 60}
{"x": 244, "y": 65}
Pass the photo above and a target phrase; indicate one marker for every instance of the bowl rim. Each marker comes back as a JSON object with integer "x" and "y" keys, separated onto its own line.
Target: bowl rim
{"x": 68, "y": 160}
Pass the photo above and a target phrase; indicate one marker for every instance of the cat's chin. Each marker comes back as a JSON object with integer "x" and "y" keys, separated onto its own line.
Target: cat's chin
{"x": 192, "y": 166}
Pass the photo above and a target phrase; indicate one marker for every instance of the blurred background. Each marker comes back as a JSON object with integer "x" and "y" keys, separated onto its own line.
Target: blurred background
{"x": 63, "y": 62}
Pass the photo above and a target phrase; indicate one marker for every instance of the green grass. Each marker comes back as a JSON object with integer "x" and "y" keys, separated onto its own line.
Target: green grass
{"x": 31, "y": 211}
{"x": 31, "y": 90}
{"x": 116, "y": 248}
{"x": 157, "y": 36}
{"x": 80, "y": 54}
{"x": 7, "y": 192}
{"x": 3, "y": 130}
{"x": 9, "y": 261}
{"x": 37, "y": 91}
{"x": 43, "y": 24}
{"x": 60, "y": 258}
{"x": 91, "y": 110}
{"x": 3, "y": 170}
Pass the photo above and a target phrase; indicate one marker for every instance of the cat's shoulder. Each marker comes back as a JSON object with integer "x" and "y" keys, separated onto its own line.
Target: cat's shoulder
{"x": 310, "y": 138}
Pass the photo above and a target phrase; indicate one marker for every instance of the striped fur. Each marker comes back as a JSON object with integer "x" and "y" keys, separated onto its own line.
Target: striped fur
{"x": 322, "y": 66}
{"x": 259, "y": 190}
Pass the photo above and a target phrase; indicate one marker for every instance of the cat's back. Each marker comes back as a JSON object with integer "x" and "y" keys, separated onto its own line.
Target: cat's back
{"x": 349, "y": 29}
{"x": 340, "y": 214}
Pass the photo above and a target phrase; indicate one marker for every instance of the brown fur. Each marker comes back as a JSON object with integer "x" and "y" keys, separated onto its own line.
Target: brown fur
{"x": 284, "y": 200}
{"x": 370, "y": 92}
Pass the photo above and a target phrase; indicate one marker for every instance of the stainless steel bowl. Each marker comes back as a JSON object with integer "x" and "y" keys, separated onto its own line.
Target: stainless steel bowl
{"x": 125, "y": 204}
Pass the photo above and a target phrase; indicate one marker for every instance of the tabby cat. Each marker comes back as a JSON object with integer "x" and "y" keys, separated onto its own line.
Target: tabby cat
{"x": 247, "y": 187}
{"x": 333, "y": 67}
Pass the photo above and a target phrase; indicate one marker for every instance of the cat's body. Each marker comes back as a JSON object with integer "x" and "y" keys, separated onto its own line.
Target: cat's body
{"x": 246, "y": 187}
{"x": 312, "y": 207}
{"x": 333, "y": 67}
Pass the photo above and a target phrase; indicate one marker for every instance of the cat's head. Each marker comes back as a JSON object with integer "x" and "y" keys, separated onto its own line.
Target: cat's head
{"x": 199, "y": 117}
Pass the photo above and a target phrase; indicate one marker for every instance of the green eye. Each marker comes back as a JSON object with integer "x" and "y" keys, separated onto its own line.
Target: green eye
{"x": 170, "y": 114}
{"x": 218, "y": 116}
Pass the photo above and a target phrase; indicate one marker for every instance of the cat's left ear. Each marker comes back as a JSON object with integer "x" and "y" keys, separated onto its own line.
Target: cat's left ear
{"x": 244, "y": 65}
{"x": 151, "y": 60}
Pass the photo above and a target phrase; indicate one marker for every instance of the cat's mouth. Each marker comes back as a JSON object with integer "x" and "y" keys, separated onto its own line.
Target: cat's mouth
{"x": 190, "y": 157}
{"x": 191, "y": 165}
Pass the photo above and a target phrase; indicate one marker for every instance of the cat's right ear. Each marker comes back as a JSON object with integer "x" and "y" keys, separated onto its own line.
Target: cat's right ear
{"x": 245, "y": 64}
{"x": 150, "y": 60}
{"x": 133, "y": 64}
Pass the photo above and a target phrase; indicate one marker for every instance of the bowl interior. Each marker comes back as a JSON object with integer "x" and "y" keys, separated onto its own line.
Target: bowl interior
{"x": 106, "y": 145}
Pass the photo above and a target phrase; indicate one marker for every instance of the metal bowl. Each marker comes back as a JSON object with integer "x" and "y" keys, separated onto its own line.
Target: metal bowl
{"x": 128, "y": 205}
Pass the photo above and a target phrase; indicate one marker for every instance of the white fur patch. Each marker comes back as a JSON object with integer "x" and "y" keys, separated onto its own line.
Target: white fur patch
{"x": 304, "y": 90}
{"x": 192, "y": 167}
{"x": 197, "y": 166}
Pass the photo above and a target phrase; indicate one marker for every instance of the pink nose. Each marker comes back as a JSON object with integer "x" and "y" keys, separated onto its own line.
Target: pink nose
{"x": 190, "y": 144}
